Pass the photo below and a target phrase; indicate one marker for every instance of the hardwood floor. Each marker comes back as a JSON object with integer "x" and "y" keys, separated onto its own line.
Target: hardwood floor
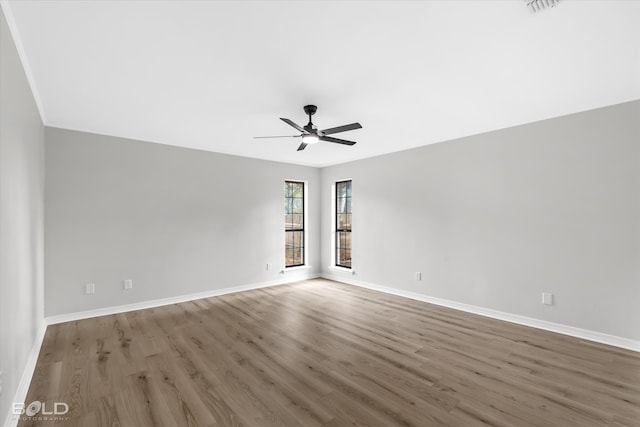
{"x": 320, "y": 353}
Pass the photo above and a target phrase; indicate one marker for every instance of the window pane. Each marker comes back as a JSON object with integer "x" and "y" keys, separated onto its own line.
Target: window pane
{"x": 297, "y": 189}
{"x": 344, "y": 221}
{"x": 288, "y": 206}
{"x": 344, "y": 257}
{"x": 297, "y": 256}
{"x": 346, "y": 240}
{"x": 294, "y": 222}
{"x": 294, "y": 239}
{"x": 297, "y": 221}
{"x": 347, "y": 259}
{"x": 294, "y": 248}
{"x": 341, "y": 205}
{"x": 297, "y": 205}
{"x": 343, "y": 240}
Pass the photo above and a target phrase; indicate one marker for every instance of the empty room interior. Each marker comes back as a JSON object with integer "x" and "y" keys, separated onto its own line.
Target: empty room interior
{"x": 320, "y": 213}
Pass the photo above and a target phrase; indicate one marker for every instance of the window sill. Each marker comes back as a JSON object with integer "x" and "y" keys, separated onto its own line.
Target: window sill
{"x": 343, "y": 270}
{"x": 297, "y": 268}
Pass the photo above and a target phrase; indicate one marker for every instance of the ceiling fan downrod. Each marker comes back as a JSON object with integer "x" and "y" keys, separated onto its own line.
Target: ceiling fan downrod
{"x": 310, "y": 110}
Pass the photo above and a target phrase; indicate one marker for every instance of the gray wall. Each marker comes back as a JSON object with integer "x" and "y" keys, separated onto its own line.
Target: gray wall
{"x": 494, "y": 220}
{"x": 176, "y": 221}
{"x": 21, "y": 219}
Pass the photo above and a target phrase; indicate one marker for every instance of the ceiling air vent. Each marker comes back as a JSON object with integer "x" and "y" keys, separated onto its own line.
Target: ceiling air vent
{"x": 538, "y": 5}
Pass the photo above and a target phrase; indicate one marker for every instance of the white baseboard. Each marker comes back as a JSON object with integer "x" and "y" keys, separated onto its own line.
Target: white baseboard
{"x": 500, "y": 315}
{"x": 27, "y": 374}
{"x": 25, "y": 381}
{"x": 69, "y": 317}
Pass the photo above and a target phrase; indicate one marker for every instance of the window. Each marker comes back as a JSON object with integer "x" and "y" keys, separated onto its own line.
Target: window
{"x": 343, "y": 224}
{"x": 294, "y": 223}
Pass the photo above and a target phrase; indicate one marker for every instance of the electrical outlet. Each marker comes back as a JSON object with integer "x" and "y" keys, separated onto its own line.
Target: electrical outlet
{"x": 268, "y": 266}
{"x": 128, "y": 284}
{"x": 90, "y": 288}
{"x": 418, "y": 275}
{"x": 547, "y": 298}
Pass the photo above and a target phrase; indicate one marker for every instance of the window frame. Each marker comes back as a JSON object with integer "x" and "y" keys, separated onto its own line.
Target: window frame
{"x": 337, "y": 230}
{"x": 302, "y": 229}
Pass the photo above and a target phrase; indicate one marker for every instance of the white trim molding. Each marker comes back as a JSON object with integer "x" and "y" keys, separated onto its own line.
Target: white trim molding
{"x": 25, "y": 380}
{"x": 17, "y": 41}
{"x": 599, "y": 337}
{"x": 69, "y": 317}
{"x": 27, "y": 374}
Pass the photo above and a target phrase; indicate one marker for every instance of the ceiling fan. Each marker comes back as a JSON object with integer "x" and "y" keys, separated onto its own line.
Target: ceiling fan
{"x": 310, "y": 133}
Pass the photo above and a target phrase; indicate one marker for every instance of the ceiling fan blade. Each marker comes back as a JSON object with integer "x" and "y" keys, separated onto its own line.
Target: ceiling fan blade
{"x": 302, "y": 146}
{"x": 282, "y": 136}
{"x": 336, "y": 140}
{"x": 290, "y": 123}
{"x": 344, "y": 128}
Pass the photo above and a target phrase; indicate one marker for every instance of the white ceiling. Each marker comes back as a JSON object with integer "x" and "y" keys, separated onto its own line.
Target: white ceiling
{"x": 213, "y": 74}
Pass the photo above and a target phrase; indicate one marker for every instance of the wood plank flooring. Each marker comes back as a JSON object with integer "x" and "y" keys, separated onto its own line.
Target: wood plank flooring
{"x": 321, "y": 353}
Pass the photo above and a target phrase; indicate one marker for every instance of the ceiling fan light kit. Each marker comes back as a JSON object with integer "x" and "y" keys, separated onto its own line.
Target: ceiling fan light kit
{"x": 310, "y": 139}
{"x": 310, "y": 133}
